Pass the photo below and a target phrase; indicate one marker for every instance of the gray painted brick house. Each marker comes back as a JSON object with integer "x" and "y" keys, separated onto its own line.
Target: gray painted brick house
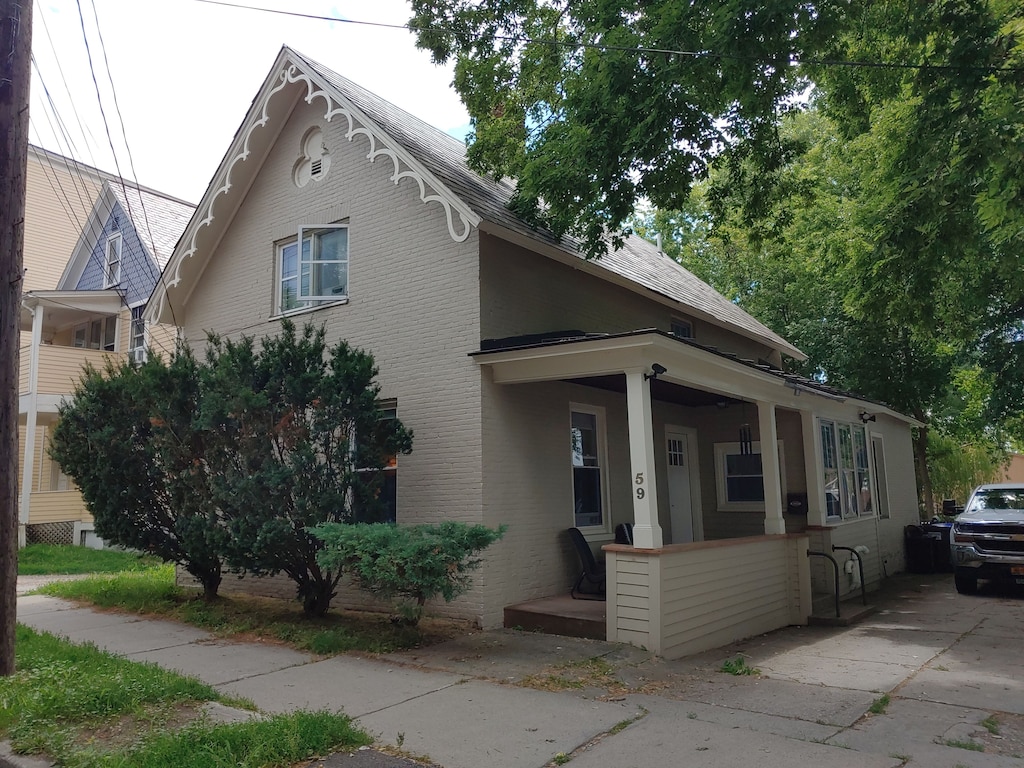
{"x": 525, "y": 373}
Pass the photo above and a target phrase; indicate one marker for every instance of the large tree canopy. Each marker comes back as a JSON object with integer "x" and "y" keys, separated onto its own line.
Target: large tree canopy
{"x": 592, "y": 105}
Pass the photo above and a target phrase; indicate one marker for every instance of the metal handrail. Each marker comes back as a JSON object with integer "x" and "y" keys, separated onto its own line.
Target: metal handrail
{"x": 835, "y": 566}
{"x": 860, "y": 567}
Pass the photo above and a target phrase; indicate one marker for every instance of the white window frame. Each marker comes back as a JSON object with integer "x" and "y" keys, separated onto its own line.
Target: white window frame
{"x": 879, "y": 476}
{"x": 307, "y": 303}
{"x": 138, "y": 351}
{"x": 601, "y": 428}
{"x": 845, "y": 511}
{"x": 722, "y": 450}
{"x": 86, "y": 329}
{"x": 112, "y": 266}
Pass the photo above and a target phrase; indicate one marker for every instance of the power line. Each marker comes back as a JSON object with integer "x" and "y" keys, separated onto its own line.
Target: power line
{"x": 633, "y": 49}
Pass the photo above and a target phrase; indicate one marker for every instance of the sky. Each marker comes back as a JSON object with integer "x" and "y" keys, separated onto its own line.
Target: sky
{"x": 185, "y": 72}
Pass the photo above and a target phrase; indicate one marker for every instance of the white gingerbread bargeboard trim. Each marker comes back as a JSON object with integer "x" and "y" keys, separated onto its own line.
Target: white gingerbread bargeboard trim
{"x": 290, "y": 75}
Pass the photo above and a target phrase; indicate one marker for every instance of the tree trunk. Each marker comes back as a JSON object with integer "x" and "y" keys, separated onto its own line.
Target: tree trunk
{"x": 15, "y": 49}
{"x": 924, "y": 480}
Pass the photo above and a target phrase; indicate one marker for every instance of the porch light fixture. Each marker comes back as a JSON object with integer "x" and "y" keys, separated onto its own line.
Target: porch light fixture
{"x": 866, "y": 417}
{"x": 656, "y": 370}
{"x": 746, "y": 439}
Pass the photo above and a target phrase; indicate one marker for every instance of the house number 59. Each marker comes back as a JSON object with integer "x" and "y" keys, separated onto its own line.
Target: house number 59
{"x": 640, "y": 492}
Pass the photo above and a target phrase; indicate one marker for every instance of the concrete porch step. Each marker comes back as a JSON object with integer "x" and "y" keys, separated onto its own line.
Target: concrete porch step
{"x": 559, "y": 615}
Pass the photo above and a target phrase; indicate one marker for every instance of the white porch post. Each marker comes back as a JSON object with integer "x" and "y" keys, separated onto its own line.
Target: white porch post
{"x": 774, "y": 522}
{"x": 812, "y": 469}
{"x": 30, "y": 416}
{"x": 646, "y": 529}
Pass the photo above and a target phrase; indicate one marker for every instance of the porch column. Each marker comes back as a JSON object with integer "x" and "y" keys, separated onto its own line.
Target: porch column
{"x": 30, "y": 415}
{"x": 774, "y": 522}
{"x": 646, "y": 529}
{"x": 816, "y": 511}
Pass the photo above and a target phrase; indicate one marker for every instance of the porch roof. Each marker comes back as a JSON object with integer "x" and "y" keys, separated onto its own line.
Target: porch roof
{"x": 64, "y": 308}
{"x": 558, "y": 356}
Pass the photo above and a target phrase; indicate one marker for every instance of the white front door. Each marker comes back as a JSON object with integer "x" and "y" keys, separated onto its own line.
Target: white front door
{"x": 681, "y": 460}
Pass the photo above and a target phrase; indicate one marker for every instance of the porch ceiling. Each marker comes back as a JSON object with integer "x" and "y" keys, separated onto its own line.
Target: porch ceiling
{"x": 65, "y": 308}
{"x": 664, "y": 391}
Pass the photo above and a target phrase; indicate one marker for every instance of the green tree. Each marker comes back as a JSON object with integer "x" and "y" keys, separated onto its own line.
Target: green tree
{"x": 593, "y": 105}
{"x": 295, "y": 439}
{"x": 129, "y": 441}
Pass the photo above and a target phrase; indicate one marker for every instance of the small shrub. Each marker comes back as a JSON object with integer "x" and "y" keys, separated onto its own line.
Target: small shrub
{"x": 738, "y": 666}
{"x": 879, "y": 705}
{"x": 414, "y": 562}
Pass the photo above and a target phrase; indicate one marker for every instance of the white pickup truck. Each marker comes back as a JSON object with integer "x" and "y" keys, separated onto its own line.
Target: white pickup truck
{"x": 987, "y": 540}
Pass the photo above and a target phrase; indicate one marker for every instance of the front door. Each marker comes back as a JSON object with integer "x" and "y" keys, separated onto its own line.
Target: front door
{"x": 681, "y": 482}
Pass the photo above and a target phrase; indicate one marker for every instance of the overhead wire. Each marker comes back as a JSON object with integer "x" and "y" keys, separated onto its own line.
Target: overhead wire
{"x": 579, "y": 44}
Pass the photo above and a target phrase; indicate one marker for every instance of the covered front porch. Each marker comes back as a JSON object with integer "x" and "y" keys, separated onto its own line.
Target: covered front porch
{"x": 724, "y": 482}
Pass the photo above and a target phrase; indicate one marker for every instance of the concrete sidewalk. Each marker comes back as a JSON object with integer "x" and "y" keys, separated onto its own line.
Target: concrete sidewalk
{"x": 947, "y": 663}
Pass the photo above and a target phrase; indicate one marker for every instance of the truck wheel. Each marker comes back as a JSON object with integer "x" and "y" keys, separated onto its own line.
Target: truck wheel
{"x": 965, "y": 584}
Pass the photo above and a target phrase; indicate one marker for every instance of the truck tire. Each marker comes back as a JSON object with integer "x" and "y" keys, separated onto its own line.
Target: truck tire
{"x": 966, "y": 584}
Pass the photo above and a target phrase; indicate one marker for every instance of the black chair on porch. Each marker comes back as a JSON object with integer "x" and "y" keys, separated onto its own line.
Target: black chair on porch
{"x": 593, "y": 574}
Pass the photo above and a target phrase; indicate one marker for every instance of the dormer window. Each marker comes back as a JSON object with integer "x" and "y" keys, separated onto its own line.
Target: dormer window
{"x": 112, "y": 266}
{"x": 681, "y": 328}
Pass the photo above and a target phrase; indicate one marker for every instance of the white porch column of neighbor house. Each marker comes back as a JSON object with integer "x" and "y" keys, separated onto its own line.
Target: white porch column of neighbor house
{"x": 812, "y": 468}
{"x": 30, "y": 417}
{"x": 774, "y": 522}
{"x": 646, "y": 529}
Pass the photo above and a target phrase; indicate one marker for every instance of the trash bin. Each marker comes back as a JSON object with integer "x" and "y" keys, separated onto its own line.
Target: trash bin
{"x": 938, "y": 533}
{"x": 919, "y": 550}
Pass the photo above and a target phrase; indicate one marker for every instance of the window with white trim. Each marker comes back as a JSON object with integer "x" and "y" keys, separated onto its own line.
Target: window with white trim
{"x": 587, "y": 442}
{"x": 112, "y": 264}
{"x": 98, "y": 334}
{"x": 739, "y": 477}
{"x": 137, "y": 336}
{"x": 315, "y": 274}
{"x": 846, "y": 469}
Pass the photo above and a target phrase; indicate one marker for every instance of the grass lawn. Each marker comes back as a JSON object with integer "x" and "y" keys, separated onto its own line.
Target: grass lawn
{"x": 153, "y": 592}
{"x": 42, "y": 559}
{"x": 86, "y": 708}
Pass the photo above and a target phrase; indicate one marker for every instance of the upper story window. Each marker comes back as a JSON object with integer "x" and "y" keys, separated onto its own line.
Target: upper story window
{"x": 137, "y": 336}
{"x": 315, "y": 273}
{"x": 112, "y": 265}
{"x": 845, "y": 469}
{"x": 681, "y": 328}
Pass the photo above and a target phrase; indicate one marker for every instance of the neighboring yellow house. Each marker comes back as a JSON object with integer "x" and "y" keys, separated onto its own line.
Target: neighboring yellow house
{"x": 90, "y": 311}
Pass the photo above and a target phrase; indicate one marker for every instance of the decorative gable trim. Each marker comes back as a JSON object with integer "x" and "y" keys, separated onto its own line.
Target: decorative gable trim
{"x": 460, "y": 217}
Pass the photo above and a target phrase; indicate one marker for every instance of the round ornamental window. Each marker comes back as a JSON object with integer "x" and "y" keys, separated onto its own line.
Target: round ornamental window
{"x": 315, "y": 159}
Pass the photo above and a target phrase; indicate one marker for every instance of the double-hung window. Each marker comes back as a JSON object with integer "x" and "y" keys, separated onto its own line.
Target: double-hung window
{"x": 313, "y": 268}
{"x": 846, "y": 469}
{"x": 112, "y": 265}
{"x": 137, "y": 336}
{"x": 739, "y": 477}
{"x": 586, "y": 433}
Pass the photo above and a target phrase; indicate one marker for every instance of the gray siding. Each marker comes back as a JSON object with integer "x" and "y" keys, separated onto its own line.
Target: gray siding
{"x": 138, "y": 272}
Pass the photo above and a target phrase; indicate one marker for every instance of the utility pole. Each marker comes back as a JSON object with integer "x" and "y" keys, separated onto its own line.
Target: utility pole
{"x": 15, "y": 76}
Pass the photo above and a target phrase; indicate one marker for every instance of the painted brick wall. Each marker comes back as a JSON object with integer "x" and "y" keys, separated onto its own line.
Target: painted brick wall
{"x": 413, "y": 303}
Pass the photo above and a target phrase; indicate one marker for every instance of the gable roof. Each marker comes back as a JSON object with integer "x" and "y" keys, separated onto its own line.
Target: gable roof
{"x": 437, "y": 163}
{"x": 158, "y": 220}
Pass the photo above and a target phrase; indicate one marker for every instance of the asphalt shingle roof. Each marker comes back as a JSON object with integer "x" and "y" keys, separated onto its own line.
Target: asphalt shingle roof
{"x": 638, "y": 260}
{"x": 159, "y": 220}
